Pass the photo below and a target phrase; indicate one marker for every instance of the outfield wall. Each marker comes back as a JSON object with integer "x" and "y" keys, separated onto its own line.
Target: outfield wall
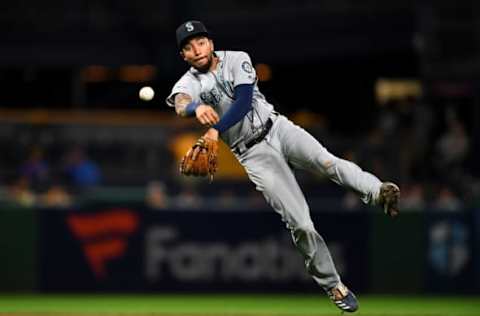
{"x": 133, "y": 248}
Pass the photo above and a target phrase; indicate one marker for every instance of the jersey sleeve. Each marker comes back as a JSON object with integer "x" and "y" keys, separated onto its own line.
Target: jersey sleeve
{"x": 188, "y": 85}
{"x": 242, "y": 70}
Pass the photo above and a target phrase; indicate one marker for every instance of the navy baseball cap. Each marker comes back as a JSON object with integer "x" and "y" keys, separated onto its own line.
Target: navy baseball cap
{"x": 188, "y": 30}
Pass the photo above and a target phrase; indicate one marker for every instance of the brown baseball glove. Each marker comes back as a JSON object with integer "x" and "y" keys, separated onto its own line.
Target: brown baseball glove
{"x": 201, "y": 159}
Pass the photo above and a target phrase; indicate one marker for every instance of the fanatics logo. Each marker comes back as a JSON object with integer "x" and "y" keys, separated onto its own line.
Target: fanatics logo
{"x": 103, "y": 236}
{"x": 189, "y": 26}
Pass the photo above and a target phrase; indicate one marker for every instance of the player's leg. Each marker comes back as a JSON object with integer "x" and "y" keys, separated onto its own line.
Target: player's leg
{"x": 305, "y": 152}
{"x": 268, "y": 169}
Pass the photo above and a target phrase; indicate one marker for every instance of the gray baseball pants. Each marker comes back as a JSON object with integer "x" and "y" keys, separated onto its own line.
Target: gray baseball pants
{"x": 270, "y": 164}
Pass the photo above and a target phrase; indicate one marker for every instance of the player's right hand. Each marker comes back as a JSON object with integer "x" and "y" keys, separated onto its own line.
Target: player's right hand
{"x": 206, "y": 115}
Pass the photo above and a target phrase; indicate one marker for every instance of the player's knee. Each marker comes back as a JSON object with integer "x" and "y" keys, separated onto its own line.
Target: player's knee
{"x": 304, "y": 229}
{"x": 303, "y": 236}
{"x": 329, "y": 162}
{"x": 329, "y": 165}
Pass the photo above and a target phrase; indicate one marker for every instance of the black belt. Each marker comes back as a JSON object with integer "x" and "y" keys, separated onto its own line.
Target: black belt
{"x": 251, "y": 142}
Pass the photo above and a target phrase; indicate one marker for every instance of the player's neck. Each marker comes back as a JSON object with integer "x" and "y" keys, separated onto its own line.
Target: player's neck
{"x": 214, "y": 63}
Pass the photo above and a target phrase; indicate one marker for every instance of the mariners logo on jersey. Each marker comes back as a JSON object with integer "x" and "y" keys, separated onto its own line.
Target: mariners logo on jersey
{"x": 212, "y": 97}
{"x": 247, "y": 67}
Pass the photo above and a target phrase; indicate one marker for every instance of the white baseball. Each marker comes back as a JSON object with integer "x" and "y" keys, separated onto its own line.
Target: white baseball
{"x": 146, "y": 93}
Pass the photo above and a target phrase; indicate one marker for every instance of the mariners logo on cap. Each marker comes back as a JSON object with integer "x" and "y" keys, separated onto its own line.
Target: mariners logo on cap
{"x": 189, "y": 26}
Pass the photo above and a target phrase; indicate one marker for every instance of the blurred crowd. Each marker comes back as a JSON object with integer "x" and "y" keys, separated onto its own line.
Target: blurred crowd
{"x": 40, "y": 183}
{"x": 426, "y": 152}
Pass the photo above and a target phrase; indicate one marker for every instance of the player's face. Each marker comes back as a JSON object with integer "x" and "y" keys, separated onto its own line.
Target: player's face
{"x": 198, "y": 52}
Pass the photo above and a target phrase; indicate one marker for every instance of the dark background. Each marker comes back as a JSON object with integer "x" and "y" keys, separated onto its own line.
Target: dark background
{"x": 324, "y": 56}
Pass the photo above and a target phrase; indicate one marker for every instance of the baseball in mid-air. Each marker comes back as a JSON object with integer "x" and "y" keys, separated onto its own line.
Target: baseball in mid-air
{"x": 146, "y": 93}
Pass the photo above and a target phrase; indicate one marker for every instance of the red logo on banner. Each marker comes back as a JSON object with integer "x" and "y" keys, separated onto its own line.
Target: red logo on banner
{"x": 103, "y": 235}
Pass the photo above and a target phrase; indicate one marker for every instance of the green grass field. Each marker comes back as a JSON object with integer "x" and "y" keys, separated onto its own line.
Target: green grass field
{"x": 231, "y": 305}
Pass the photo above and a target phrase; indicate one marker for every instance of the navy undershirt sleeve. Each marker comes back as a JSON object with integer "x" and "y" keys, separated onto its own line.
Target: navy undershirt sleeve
{"x": 191, "y": 107}
{"x": 239, "y": 108}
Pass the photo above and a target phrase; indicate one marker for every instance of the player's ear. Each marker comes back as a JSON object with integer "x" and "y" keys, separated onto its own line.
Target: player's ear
{"x": 182, "y": 55}
{"x": 211, "y": 44}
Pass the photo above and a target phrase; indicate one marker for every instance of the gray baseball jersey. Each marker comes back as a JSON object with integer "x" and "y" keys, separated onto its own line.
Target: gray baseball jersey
{"x": 270, "y": 162}
{"x": 217, "y": 89}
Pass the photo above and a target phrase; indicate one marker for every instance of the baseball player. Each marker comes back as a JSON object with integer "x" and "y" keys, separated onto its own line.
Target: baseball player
{"x": 220, "y": 90}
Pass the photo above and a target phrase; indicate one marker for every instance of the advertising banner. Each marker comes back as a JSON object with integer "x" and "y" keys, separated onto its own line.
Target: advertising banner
{"x": 137, "y": 249}
{"x": 450, "y": 252}
{"x": 18, "y": 232}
